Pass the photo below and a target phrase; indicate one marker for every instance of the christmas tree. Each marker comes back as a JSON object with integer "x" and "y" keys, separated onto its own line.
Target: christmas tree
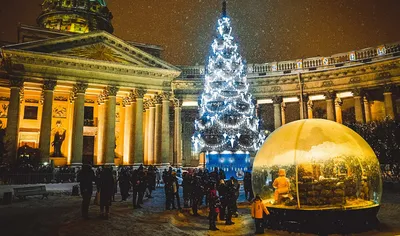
{"x": 227, "y": 129}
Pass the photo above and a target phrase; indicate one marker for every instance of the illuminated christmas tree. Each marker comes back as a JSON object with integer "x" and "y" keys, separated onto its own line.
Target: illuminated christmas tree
{"x": 227, "y": 129}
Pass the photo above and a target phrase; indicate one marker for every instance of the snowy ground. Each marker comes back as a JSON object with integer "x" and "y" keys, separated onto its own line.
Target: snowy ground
{"x": 60, "y": 216}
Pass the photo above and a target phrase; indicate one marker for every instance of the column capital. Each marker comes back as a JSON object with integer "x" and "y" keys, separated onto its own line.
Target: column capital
{"x": 157, "y": 99}
{"x": 177, "y": 101}
{"x": 139, "y": 93}
{"x": 126, "y": 101}
{"x": 277, "y": 100}
{"x": 329, "y": 95}
{"x": 151, "y": 102}
{"x": 338, "y": 102}
{"x": 111, "y": 90}
{"x": 49, "y": 84}
{"x": 387, "y": 88}
{"x": 80, "y": 87}
{"x": 131, "y": 96}
{"x": 165, "y": 96}
{"x": 146, "y": 105}
{"x": 101, "y": 98}
{"x": 16, "y": 82}
{"x": 357, "y": 92}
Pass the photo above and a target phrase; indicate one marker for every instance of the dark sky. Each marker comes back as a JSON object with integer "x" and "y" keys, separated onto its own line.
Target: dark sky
{"x": 267, "y": 30}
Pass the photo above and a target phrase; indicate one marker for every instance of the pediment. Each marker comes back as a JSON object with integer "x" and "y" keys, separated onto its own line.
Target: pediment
{"x": 98, "y": 45}
{"x": 101, "y": 52}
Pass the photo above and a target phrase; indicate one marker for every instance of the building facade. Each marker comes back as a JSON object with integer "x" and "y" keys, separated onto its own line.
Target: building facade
{"x": 81, "y": 95}
{"x": 357, "y": 86}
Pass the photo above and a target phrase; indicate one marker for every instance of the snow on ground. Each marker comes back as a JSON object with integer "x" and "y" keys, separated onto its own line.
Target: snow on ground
{"x": 60, "y": 216}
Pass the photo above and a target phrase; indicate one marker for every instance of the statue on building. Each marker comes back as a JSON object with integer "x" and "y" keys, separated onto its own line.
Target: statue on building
{"x": 59, "y": 136}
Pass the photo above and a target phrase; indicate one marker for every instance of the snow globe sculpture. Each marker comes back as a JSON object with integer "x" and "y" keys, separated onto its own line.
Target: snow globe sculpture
{"x": 320, "y": 176}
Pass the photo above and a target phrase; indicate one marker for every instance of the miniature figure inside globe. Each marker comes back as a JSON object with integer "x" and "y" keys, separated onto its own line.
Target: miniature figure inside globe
{"x": 317, "y": 164}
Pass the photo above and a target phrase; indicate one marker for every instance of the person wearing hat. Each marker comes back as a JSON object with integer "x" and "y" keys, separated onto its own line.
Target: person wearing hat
{"x": 257, "y": 213}
{"x": 281, "y": 185}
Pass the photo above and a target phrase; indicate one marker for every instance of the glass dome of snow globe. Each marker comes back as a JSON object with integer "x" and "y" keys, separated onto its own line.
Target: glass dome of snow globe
{"x": 317, "y": 164}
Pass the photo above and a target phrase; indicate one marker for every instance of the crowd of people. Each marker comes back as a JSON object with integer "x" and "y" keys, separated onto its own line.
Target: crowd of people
{"x": 199, "y": 187}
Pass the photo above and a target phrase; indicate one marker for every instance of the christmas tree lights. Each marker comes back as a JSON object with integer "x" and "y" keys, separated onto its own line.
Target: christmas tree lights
{"x": 227, "y": 129}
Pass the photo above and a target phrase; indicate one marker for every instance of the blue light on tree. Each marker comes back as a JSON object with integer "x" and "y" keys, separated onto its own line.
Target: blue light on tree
{"x": 227, "y": 129}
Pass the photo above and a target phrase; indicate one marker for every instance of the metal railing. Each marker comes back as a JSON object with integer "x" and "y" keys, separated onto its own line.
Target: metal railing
{"x": 313, "y": 63}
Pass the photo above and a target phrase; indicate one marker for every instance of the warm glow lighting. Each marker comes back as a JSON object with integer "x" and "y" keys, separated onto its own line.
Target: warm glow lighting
{"x": 291, "y": 99}
{"x": 189, "y": 104}
{"x": 264, "y": 101}
{"x": 317, "y": 97}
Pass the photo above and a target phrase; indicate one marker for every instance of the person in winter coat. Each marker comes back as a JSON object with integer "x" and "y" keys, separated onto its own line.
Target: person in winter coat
{"x": 124, "y": 184}
{"x": 281, "y": 185}
{"x": 213, "y": 206}
{"x": 175, "y": 191}
{"x": 142, "y": 185}
{"x": 248, "y": 193}
{"x": 230, "y": 201}
{"x": 106, "y": 191}
{"x": 135, "y": 182}
{"x": 257, "y": 213}
{"x": 86, "y": 178}
{"x": 222, "y": 191}
{"x": 197, "y": 195}
{"x": 187, "y": 189}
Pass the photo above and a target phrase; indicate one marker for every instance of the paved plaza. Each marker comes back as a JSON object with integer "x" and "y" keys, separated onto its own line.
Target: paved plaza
{"x": 60, "y": 215}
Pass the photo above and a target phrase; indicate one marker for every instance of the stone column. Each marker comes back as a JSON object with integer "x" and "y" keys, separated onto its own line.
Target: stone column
{"x": 109, "y": 131}
{"x": 146, "y": 111}
{"x": 77, "y": 128}
{"x": 338, "y": 109}
{"x": 330, "y": 110}
{"x": 45, "y": 124}
{"x": 178, "y": 132}
{"x": 358, "y": 106}
{"x": 139, "y": 157}
{"x": 132, "y": 129}
{"x": 310, "y": 106}
{"x": 157, "y": 130}
{"x": 303, "y": 106}
{"x": 277, "y": 111}
{"x": 283, "y": 112}
{"x": 387, "y": 97}
{"x": 151, "y": 129}
{"x": 127, "y": 130}
{"x": 165, "y": 142}
{"x": 100, "y": 129}
{"x": 12, "y": 128}
{"x": 367, "y": 109}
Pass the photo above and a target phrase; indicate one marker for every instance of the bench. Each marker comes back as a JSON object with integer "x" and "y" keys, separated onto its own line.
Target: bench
{"x": 23, "y": 192}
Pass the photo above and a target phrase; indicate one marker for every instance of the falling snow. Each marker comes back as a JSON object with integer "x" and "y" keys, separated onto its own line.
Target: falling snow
{"x": 267, "y": 31}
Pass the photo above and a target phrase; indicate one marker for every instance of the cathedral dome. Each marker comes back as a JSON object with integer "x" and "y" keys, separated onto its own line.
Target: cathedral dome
{"x": 78, "y": 16}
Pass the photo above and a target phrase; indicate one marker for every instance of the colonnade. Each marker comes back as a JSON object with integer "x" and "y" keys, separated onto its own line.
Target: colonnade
{"x": 146, "y": 123}
{"x": 334, "y": 103}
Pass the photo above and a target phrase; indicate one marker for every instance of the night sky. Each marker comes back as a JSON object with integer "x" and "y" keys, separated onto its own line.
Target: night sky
{"x": 266, "y": 30}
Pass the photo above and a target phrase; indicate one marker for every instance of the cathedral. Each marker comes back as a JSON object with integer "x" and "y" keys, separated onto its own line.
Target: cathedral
{"x": 79, "y": 94}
